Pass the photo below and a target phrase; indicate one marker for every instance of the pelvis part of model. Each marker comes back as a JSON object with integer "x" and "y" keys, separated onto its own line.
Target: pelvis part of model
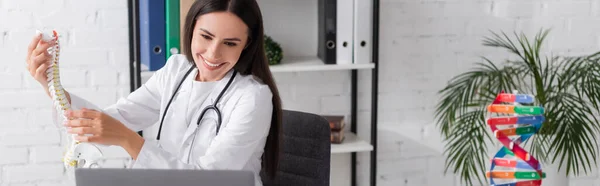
{"x": 77, "y": 154}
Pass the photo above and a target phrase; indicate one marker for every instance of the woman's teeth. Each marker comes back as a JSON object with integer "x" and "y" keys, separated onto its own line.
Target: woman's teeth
{"x": 212, "y": 64}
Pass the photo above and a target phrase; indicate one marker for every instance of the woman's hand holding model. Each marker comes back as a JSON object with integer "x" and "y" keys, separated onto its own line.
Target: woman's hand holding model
{"x": 38, "y": 60}
{"x": 97, "y": 127}
{"x": 90, "y": 125}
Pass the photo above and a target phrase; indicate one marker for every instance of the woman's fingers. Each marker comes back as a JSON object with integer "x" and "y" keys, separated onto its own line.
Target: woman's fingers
{"x": 39, "y": 56}
{"x": 87, "y": 134}
{"x": 40, "y": 72}
{"x": 81, "y": 123}
{"x": 87, "y": 138}
{"x": 94, "y": 126}
{"x": 43, "y": 58}
{"x": 42, "y": 47}
{"x": 38, "y": 67}
{"x": 83, "y": 130}
{"x": 84, "y": 113}
{"x": 32, "y": 45}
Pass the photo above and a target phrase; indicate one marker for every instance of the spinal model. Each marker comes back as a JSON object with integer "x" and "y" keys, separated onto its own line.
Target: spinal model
{"x": 77, "y": 155}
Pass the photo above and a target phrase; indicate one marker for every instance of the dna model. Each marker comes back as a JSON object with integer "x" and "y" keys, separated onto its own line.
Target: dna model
{"x": 513, "y": 119}
{"x": 77, "y": 154}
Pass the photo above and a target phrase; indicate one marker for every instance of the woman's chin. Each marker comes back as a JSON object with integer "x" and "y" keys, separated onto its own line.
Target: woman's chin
{"x": 208, "y": 73}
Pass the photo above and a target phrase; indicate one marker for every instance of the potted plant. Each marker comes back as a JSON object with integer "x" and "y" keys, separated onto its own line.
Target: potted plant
{"x": 273, "y": 51}
{"x": 568, "y": 88}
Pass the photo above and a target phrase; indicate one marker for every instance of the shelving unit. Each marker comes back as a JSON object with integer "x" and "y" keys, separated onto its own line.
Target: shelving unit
{"x": 299, "y": 64}
{"x": 352, "y": 143}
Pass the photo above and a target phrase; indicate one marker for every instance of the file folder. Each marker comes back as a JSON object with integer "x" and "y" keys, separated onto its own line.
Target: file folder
{"x": 152, "y": 34}
{"x": 344, "y": 31}
{"x": 363, "y": 21}
{"x": 172, "y": 28}
{"x": 326, "y": 44}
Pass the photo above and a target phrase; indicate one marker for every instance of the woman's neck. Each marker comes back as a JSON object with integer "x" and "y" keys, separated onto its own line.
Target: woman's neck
{"x": 201, "y": 78}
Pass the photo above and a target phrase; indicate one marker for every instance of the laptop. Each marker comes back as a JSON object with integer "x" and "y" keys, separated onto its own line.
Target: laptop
{"x": 161, "y": 177}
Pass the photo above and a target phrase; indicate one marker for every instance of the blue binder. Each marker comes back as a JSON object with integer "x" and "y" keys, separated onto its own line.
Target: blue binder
{"x": 152, "y": 33}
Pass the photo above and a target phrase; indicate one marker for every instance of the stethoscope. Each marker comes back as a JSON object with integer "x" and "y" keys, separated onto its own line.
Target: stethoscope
{"x": 209, "y": 107}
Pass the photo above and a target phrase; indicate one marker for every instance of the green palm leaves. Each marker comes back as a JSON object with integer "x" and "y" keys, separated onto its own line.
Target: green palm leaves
{"x": 567, "y": 87}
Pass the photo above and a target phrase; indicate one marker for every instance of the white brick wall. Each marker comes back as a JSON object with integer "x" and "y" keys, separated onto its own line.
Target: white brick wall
{"x": 94, "y": 65}
{"x": 423, "y": 43}
{"x": 427, "y": 42}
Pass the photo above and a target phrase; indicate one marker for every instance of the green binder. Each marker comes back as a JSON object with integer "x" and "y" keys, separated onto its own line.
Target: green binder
{"x": 172, "y": 27}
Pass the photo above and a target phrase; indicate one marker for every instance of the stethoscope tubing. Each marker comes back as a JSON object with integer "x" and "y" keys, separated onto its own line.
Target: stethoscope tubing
{"x": 209, "y": 107}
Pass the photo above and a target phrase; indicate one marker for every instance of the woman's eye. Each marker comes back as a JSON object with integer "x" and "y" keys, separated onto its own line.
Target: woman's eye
{"x": 206, "y": 37}
{"x": 230, "y": 44}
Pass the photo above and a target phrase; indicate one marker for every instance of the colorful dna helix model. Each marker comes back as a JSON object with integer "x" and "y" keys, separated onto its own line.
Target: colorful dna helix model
{"x": 513, "y": 119}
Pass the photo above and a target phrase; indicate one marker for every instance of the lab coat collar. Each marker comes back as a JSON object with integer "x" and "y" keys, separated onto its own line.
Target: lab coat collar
{"x": 192, "y": 126}
{"x": 212, "y": 97}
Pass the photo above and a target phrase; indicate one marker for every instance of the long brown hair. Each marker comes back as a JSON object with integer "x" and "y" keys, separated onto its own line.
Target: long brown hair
{"x": 253, "y": 61}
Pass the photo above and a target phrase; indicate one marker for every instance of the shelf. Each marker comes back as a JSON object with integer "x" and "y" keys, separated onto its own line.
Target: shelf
{"x": 299, "y": 64}
{"x": 352, "y": 143}
{"x": 297, "y": 41}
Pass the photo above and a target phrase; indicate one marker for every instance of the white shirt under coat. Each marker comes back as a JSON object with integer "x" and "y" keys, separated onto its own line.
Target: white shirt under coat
{"x": 246, "y": 109}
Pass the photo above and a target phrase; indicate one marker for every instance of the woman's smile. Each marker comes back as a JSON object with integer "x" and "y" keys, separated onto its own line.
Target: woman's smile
{"x": 211, "y": 65}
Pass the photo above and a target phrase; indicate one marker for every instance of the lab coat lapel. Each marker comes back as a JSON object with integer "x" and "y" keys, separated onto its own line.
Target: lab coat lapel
{"x": 192, "y": 126}
{"x": 177, "y": 112}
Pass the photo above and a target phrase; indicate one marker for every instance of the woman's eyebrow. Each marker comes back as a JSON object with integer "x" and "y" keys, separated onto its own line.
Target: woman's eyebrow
{"x": 228, "y": 39}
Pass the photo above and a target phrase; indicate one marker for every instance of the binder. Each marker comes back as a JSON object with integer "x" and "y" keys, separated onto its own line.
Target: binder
{"x": 184, "y": 8}
{"x": 363, "y": 21}
{"x": 344, "y": 31}
{"x": 152, "y": 34}
{"x": 172, "y": 28}
{"x": 326, "y": 43}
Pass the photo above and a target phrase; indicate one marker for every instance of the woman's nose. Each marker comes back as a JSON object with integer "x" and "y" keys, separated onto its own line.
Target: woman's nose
{"x": 213, "y": 52}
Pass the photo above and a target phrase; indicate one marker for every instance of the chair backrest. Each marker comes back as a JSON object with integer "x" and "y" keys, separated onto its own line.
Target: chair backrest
{"x": 305, "y": 151}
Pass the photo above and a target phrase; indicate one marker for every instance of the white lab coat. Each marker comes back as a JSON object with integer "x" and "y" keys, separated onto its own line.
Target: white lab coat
{"x": 246, "y": 110}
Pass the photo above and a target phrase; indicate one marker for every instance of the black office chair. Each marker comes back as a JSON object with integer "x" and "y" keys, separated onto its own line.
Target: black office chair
{"x": 306, "y": 151}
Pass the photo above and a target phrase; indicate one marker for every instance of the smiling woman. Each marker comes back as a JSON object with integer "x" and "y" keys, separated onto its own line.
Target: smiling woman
{"x": 218, "y": 103}
{"x": 215, "y": 48}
